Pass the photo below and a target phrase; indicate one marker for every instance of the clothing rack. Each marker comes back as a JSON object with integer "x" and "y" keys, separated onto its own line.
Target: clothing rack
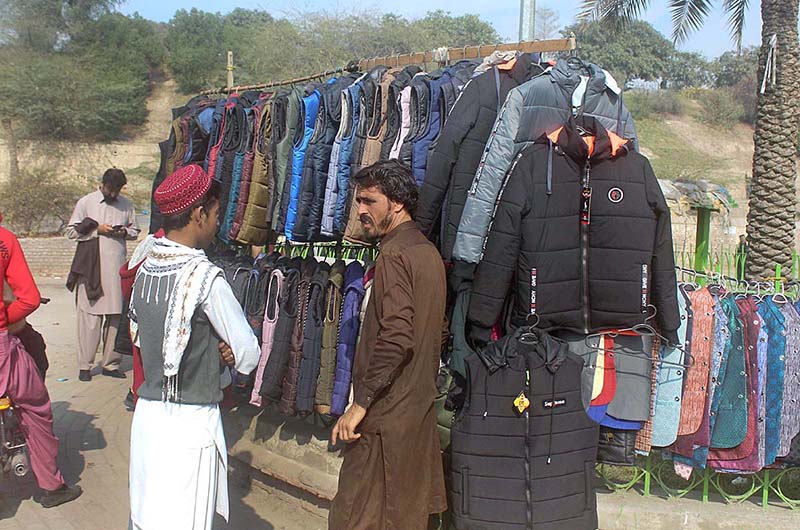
{"x": 448, "y": 55}
{"x": 439, "y": 55}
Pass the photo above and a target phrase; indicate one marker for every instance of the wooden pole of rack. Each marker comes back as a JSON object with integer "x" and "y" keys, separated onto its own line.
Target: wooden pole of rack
{"x": 451, "y": 55}
{"x": 229, "y": 68}
{"x": 472, "y": 52}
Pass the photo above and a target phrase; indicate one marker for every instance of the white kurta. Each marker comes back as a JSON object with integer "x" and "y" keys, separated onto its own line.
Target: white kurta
{"x": 179, "y": 462}
{"x": 113, "y": 250}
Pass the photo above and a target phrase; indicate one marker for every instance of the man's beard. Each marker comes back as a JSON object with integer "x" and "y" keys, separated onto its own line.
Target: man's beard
{"x": 108, "y": 199}
{"x": 377, "y": 231}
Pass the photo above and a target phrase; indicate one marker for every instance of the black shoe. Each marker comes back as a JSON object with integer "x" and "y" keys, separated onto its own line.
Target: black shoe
{"x": 129, "y": 403}
{"x": 65, "y": 493}
{"x": 116, "y": 374}
{"x": 85, "y": 375}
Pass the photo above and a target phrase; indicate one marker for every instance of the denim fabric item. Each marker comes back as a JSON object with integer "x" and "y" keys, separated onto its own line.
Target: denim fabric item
{"x": 670, "y": 384}
{"x": 790, "y": 410}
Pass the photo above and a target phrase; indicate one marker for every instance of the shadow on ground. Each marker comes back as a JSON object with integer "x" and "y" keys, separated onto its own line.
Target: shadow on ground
{"x": 76, "y": 434}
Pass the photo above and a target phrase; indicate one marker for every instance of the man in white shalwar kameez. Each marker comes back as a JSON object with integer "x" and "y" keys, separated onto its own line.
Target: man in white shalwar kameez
{"x": 181, "y": 310}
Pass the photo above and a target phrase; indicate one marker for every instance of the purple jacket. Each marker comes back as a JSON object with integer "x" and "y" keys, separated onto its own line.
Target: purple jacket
{"x": 348, "y": 336}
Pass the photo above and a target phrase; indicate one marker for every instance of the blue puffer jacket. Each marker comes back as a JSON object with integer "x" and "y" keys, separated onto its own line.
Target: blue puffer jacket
{"x": 348, "y": 335}
{"x": 308, "y": 117}
{"x": 419, "y": 160}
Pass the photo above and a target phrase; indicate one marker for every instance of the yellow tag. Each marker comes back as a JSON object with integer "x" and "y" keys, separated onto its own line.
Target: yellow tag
{"x": 522, "y": 402}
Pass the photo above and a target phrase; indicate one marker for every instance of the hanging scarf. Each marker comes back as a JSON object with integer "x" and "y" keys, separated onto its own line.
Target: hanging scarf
{"x": 195, "y": 274}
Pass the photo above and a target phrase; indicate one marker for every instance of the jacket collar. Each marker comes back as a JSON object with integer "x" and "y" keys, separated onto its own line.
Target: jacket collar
{"x": 598, "y": 144}
{"x": 408, "y": 225}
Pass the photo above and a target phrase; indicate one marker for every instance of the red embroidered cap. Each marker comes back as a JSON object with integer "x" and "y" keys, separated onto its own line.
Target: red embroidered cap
{"x": 182, "y": 189}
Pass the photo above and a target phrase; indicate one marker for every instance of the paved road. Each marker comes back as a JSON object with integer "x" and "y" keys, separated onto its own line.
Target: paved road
{"x": 94, "y": 430}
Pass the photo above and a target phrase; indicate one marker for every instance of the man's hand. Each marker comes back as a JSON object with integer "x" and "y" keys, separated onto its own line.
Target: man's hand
{"x": 226, "y": 354}
{"x": 345, "y": 428}
{"x": 105, "y": 230}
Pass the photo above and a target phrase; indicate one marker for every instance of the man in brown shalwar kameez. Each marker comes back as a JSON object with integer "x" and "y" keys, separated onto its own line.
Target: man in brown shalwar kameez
{"x": 391, "y": 477}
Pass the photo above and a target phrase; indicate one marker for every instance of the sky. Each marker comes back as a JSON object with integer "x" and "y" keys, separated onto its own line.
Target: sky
{"x": 712, "y": 40}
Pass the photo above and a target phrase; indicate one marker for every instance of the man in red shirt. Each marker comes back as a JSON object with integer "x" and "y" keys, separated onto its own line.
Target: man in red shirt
{"x": 20, "y": 379}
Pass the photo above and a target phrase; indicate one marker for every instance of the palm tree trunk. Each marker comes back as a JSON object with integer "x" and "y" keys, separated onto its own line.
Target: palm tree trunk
{"x": 773, "y": 202}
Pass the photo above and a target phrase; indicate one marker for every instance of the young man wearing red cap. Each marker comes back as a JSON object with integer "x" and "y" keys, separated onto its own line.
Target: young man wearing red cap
{"x": 181, "y": 308}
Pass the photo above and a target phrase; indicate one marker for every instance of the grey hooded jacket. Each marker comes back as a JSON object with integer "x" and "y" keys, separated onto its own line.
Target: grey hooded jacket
{"x": 531, "y": 110}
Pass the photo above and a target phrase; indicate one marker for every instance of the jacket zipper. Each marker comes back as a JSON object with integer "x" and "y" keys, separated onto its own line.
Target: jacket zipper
{"x": 528, "y": 481}
{"x": 586, "y": 204}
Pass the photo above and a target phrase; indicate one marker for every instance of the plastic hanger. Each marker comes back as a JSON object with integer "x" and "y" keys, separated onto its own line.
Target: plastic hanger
{"x": 643, "y": 330}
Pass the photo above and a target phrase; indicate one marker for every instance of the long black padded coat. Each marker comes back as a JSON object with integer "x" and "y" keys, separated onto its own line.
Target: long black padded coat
{"x": 454, "y": 160}
{"x": 579, "y": 264}
{"x": 531, "y": 469}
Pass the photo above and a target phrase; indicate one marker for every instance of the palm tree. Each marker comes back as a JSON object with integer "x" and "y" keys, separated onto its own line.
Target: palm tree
{"x": 772, "y": 205}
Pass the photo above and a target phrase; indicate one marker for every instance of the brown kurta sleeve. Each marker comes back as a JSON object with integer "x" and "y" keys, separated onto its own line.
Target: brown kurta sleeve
{"x": 395, "y": 342}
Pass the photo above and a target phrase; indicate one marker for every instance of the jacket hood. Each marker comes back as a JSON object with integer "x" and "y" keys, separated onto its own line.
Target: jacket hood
{"x": 567, "y": 74}
{"x": 549, "y": 350}
{"x": 585, "y": 137}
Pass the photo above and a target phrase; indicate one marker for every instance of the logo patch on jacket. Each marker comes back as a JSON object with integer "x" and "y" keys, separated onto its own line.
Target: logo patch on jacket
{"x": 615, "y": 195}
{"x": 551, "y": 404}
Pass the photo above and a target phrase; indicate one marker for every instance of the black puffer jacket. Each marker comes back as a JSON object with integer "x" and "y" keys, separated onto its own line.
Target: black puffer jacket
{"x": 529, "y": 469}
{"x": 584, "y": 267}
{"x": 454, "y": 160}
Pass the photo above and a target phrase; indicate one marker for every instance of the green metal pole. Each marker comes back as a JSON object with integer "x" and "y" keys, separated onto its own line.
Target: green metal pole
{"x": 765, "y": 490}
{"x": 778, "y": 282}
{"x": 702, "y": 239}
{"x": 647, "y": 472}
{"x": 706, "y": 480}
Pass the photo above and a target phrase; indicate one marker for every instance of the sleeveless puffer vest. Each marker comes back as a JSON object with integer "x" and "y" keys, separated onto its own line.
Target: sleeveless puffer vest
{"x": 366, "y": 105}
{"x": 288, "y": 308}
{"x": 308, "y": 118}
{"x": 332, "y": 183}
{"x": 315, "y": 172}
{"x": 420, "y": 107}
{"x": 312, "y": 340}
{"x": 419, "y": 159}
{"x": 330, "y": 338}
{"x": 343, "y": 166}
{"x": 256, "y": 216}
{"x": 394, "y": 113}
{"x": 215, "y": 137}
{"x": 288, "y": 404}
{"x": 285, "y": 124}
{"x": 271, "y": 313}
{"x": 349, "y": 325}
{"x": 405, "y": 125}
{"x": 243, "y": 195}
{"x": 231, "y": 142}
{"x": 525, "y": 470}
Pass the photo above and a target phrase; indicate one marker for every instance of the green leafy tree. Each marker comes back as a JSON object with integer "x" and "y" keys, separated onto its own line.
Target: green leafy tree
{"x": 638, "y": 50}
{"x": 196, "y": 47}
{"x": 773, "y": 205}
